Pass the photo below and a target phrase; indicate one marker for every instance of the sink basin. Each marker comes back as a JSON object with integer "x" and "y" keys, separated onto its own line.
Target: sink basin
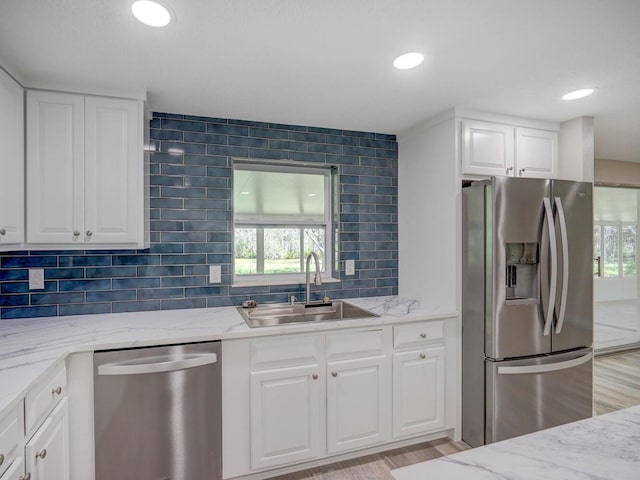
{"x": 281, "y": 314}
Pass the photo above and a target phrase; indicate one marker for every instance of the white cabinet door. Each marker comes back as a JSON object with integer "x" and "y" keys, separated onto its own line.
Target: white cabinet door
{"x": 47, "y": 453}
{"x": 15, "y": 471}
{"x": 487, "y": 148}
{"x": 55, "y": 167}
{"x": 418, "y": 391}
{"x": 113, "y": 170}
{"x": 286, "y": 415}
{"x": 11, "y": 162}
{"x": 536, "y": 153}
{"x": 357, "y": 403}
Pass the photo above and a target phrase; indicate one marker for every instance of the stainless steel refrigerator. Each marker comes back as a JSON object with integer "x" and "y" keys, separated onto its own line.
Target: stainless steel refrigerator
{"x": 527, "y": 313}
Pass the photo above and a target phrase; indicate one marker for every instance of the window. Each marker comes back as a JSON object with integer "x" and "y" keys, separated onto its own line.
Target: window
{"x": 614, "y": 245}
{"x": 281, "y": 214}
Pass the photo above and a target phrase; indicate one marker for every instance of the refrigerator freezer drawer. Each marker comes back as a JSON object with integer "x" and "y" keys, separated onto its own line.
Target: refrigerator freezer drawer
{"x": 528, "y": 395}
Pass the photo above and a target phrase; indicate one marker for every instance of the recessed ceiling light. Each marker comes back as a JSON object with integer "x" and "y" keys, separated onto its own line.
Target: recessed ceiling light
{"x": 408, "y": 60}
{"x": 151, "y": 13}
{"x": 583, "y": 92}
{"x": 311, "y": 194}
{"x": 244, "y": 193}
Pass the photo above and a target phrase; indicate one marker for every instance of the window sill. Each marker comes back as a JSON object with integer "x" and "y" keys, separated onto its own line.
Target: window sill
{"x": 292, "y": 281}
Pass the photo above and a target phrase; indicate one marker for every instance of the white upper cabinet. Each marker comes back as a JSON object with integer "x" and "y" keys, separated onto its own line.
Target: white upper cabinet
{"x": 490, "y": 148}
{"x": 84, "y": 171}
{"x": 11, "y": 163}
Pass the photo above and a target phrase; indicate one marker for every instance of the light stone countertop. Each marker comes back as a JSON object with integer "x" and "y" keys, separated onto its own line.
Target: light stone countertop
{"x": 602, "y": 448}
{"x": 30, "y": 348}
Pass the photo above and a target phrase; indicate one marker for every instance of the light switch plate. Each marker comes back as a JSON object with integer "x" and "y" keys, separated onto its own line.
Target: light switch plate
{"x": 349, "y": 267}
{"x": 215, "y": 274}
{"x": 36, "y": 279}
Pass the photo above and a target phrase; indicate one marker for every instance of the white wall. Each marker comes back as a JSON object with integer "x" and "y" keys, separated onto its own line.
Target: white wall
{"x": 576, "y": 150}
{"x": 428, "y": 215}
{"x": 614, "y": 172}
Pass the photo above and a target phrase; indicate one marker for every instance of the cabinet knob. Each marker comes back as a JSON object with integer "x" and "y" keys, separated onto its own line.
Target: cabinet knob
{"x": 1, "y": 458}
{"x": 89, "y": 233}
{"x": 423, "y": 335}
{"x": 3, "y": 231}
{"x": 334, "y": 374}
{"x": 26, "y": 476}
{"x": 422, "y": 356}
{"x": 522, "y": 171}
{"x": 314, "y": 376}
{"x": 76, "y": 233}
{"x": 508, "y": 169}
{"x": 42, "y": 454}
{"x": 56, "y": 391}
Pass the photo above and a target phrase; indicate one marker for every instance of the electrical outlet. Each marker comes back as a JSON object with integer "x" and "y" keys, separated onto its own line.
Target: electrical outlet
{"x": 349, "y": 267}
{"x": 215, "y": 274}
{"x": 36, "y": 279}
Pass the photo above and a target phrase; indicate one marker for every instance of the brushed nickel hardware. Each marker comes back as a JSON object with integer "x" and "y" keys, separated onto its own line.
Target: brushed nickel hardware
{"x": 42, "y": 454}
{"x": 1, "y": 458}
{"x": 76, "y": 233}
{"x": 89, "y": 233}
{"x": 3, "y": 231}
{"x": 508, "y": 170}
{"x": 422, "y": 356}
{"x": 334, "y": 374}
{"x": 26, "y": 476}
{"x": 522, "y": 171}
{"x": 314, "y": 376}
{"x": 56, "y": 391}
{"x": 423, "y": 335}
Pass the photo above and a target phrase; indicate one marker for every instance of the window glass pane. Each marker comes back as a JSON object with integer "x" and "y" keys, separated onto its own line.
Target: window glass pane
{"x": 597, "y": 238}
{"x": 282, "y": 250}
{"x": 610, "y": 255}
{"x": 314, "y": 240}
{"x": 246, "y": 253}
{"x": 629, "y": 251}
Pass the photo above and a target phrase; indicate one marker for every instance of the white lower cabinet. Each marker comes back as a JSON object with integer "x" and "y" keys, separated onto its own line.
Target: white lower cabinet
{"x": 15, "y": 471}
{"x": 418, "y": 391}
{"x": 286, "y": 415}
{"x": 47, "y": 452}
{"x": 357, "y": 403}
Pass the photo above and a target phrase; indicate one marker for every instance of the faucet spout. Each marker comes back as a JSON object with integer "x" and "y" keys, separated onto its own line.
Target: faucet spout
{"x": 317, "y": 279}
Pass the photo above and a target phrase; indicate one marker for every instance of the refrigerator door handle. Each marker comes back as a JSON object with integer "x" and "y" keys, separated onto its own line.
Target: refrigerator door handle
{"x": 550, "y": 367}
{"x": 565, "y": 264}
{"x": 553, "y": 247}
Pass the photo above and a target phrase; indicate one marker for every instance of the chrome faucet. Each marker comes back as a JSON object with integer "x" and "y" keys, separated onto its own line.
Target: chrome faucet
{"x": 316, "y": 279}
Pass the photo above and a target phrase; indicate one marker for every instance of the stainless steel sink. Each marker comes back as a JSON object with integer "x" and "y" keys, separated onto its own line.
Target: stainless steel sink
{"x": 280, "y": 314}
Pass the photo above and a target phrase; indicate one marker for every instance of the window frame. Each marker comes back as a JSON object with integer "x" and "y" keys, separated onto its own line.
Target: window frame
{"x": 620, "y": 226}
{"x": 328, "y": 172}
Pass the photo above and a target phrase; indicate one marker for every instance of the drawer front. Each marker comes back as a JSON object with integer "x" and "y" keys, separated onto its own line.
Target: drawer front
{"x": 418, "y": 334}
{"x": 44, "y": 396}
{"x": 286, "y": 350}
{"x": 356, "y": 343}
{"x": 10, "y": 435}
{"x": 15, "y": 471}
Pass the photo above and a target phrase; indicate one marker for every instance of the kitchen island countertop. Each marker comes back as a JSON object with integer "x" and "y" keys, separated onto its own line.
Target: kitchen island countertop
{"x": 603, "y": 447}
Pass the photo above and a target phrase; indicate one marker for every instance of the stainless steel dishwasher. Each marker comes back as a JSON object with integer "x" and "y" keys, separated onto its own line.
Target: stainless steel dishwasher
{"x": 158, "y": 413}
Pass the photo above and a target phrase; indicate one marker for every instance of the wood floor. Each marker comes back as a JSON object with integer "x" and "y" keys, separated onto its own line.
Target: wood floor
{"x": 616, "y": 386}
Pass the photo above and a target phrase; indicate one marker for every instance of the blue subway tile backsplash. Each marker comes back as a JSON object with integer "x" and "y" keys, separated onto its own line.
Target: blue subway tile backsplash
{"x": 191, "y": 221}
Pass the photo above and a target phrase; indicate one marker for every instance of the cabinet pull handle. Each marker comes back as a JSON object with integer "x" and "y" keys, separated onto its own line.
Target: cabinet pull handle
{"x": 1, "y": 458}
{"x": 42, "y": 454}
{"x": 26, "y": 476}
{"x": 422, "y": 356}
{"x": 76, "y": 233}
{"x": 334, "y": 374}
{"x": 3, "y": 231}
{"x": 314, "y": 376}
{"x": 423, "y": 335}
{"x": 522, "y": 171}
{"x": 56, "y": 391}
{"x": 508, "y": 170}
{"x": 89, "y": 233}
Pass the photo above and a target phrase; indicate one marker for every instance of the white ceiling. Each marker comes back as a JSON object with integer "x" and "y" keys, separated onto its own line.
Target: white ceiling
{"x": 329, "y": 62}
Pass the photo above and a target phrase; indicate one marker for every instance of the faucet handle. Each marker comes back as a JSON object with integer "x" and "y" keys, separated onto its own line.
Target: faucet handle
{"x": 293, "y": 299}
{"x": 317, "y": 279}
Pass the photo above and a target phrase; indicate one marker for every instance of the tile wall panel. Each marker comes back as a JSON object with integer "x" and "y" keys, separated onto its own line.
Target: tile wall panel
{"x": 191, "y": 222}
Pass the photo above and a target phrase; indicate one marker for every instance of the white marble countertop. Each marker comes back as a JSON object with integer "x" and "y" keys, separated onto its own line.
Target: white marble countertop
{"x": 603, "y": 447}
{"x": 29, "y": 348}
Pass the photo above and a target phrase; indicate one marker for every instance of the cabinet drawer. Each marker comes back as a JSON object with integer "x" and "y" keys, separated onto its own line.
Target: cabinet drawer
{"x": 44, "y": 396}
{"x": 355, "y": 343}
{"x": 10, "y": 435}
{"x": 285, "y": 350}
{"x": 418, "y": 334}
{"x": 15, "y": 471}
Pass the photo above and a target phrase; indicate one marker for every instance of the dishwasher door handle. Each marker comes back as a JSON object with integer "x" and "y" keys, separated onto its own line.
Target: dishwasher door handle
{"x": 158, "y": 365}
